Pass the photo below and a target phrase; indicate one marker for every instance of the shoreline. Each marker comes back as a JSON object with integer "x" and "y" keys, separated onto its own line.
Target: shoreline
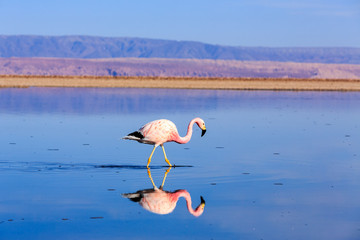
{"x": 278, "y": 84}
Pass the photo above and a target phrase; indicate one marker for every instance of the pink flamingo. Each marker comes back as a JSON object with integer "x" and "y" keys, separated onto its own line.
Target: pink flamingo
{"x": 161, "y": 131}
{"x": 158, "y": 201}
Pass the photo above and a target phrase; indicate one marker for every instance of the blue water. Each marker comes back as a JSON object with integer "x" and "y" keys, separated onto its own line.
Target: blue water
{"x": 272, "y": 165}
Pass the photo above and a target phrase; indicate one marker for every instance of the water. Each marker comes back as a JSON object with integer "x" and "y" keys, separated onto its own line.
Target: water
{"x": 272, "y": 165}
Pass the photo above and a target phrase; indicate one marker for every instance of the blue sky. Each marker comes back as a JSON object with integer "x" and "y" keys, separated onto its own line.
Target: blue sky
{"x": 273, "y": 23}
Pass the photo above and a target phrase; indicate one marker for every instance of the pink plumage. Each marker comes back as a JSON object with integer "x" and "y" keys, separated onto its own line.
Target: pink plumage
{"x": 163, "y": 202}
{"x": 161, "y": 131}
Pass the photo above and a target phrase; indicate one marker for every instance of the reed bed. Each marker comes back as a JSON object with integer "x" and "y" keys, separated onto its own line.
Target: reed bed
{"x": 292, "y": 84}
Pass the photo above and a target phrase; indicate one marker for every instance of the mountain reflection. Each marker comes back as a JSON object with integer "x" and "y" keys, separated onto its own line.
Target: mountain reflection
{"x": 92, "y": 101}
{"x": 158, "y": 201}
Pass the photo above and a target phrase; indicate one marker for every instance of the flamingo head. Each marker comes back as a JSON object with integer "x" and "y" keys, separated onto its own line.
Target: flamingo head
{"x": 201, "y": 125}
{"x": 200, "y": 209}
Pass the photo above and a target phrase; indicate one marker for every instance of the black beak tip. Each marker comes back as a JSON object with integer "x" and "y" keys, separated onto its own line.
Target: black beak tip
{"x": 202, "y": 200}
{"x": 203, "y": 132}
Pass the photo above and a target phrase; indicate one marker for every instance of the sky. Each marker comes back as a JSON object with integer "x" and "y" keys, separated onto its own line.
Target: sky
{"x": 272, "y": 23}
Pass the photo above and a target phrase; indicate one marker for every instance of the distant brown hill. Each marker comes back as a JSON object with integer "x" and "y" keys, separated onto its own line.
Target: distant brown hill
{"x": 175, "y": 67}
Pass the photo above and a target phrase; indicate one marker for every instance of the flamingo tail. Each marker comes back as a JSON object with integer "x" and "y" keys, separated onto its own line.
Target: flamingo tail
{"x": 134, "y": 136}
{"x": 135, "y": 197}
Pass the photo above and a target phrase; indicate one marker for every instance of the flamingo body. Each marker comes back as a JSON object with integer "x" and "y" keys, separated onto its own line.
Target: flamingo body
{"x": 154, "y": 200}
{"x": 156, "y": 132}
{"x": 161, "y": 131}
{"x": 163, "y": 202}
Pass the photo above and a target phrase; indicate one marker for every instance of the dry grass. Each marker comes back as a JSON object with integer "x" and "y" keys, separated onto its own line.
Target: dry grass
{"x": 181, "y": 82}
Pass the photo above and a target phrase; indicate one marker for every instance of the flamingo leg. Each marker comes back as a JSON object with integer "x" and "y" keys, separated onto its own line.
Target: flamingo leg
{"x": 152, "y": 181}
{"x": 166, "y": 160}
{"x": 163, "y": 182}
{"x": 149, "y": 160}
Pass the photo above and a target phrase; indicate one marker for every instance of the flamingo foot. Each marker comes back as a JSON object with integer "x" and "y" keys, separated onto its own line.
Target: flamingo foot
{"x": 168, "y": 162}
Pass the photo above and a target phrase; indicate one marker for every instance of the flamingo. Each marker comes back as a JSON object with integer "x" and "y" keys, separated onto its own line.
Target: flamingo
{"x": 161, "y": 131}
{"x": 158, "y": 201}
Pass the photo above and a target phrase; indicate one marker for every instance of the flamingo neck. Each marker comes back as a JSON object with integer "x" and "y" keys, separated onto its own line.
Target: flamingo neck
{"x": 183, "y": 193}
{"x": 188, "y": 134}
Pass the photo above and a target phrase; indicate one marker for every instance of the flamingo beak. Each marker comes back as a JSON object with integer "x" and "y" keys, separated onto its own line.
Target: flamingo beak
{"x": 202, "y": 204}
{"x": 202, "y": 201}
{"x": 203, "y": 132}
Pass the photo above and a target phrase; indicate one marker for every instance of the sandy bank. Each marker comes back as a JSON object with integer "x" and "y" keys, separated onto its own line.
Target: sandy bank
{"x": 186, "y": 83}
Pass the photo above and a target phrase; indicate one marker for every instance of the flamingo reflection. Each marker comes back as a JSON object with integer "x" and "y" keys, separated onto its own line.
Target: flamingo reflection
{"x": 158, "y": 201}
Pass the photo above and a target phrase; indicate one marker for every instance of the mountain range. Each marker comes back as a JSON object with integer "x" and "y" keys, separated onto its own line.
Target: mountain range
{"x": 104, "y": 56}
{"x": 90, "y": 47}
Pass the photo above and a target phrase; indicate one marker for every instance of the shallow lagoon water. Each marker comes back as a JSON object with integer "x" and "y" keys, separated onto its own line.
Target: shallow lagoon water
{"x": 272, "y": 165}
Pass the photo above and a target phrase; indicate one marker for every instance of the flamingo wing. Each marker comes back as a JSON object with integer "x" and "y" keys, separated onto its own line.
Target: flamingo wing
{"x": 158, "y": 202}
{"x": 158, "y": 131}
